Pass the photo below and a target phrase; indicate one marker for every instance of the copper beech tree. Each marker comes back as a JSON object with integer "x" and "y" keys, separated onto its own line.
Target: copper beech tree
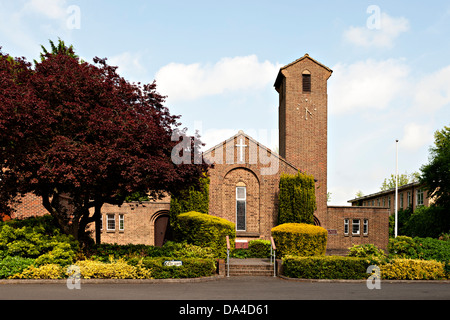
{"x": 79, "y": 136}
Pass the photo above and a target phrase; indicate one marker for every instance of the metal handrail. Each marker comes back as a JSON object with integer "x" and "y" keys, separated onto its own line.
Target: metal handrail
{"x": 273, "y": 250}
{"x": 228, "y": 256}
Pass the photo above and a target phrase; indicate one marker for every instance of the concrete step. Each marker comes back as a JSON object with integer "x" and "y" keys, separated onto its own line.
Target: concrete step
{"x": 245, "y": 267}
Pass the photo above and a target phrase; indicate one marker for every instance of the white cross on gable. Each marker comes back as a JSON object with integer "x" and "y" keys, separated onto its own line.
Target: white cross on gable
{"x": 241, "y": 147}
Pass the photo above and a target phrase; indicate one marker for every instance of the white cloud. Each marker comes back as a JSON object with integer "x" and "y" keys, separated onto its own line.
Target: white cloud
{"x": 433, "y": 91}
{"x": 383, "y": 37}
{"x": 52, "y": 9}
{"x": 416, "y": 136}
{"x": 366, "y": 84}
{"x": 130, "y": 66}
{"x": 192, "y": 81}
{"x": 21, "y": 23}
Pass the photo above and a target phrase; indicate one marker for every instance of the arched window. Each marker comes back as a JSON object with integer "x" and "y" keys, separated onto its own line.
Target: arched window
{"x": 306, "y": 81}
{"x": 241, "y": 206}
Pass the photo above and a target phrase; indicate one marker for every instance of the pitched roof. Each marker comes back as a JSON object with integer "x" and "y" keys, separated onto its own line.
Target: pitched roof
{"x": 306, "y": 56}
{"x": 242, "y": 133}
{"x": 385, "y": 192}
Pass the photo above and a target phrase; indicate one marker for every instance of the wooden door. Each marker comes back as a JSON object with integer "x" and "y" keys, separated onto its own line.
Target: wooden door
{"x": 161, "y": 225}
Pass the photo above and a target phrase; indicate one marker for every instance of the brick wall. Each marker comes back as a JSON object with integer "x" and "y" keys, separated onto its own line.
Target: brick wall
{"x": 384, "y": 198}
{"x": 302, "y": 135}
{"x": 262, "y": 184}
{"x": 378, "y": 227}
{"x": 139, "y": 221}
{"x": 30, "y": 206}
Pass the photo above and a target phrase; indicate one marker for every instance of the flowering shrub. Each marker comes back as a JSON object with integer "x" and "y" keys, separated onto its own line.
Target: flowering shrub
{"x": 413, "y": 269}
{"x": 47, "y": 271}
{"x": 114, "y": 270}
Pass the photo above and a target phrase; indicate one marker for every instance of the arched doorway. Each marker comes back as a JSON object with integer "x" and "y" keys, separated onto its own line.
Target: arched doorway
{"x": 161, "y": 229}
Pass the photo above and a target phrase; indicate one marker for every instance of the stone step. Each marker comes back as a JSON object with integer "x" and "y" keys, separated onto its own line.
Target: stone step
{"x": 261, "y": 269}
{"x": 254, "y": 273}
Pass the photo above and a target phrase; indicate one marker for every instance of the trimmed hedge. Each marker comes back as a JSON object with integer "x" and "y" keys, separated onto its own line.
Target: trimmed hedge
{"x": 325, "y": 267}
{"x": 259, "y": 248}
{"x": 206, "y": 231}
{"x": 191, "y": 268}
{"x": 104, "y": 252}
{"x": 337, "y": 267}
{"x": 300, "y": 239}
{"x": 413, "y": 269}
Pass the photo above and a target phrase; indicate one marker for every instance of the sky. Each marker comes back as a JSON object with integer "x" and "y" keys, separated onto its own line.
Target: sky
{"x": 216, "y": 61}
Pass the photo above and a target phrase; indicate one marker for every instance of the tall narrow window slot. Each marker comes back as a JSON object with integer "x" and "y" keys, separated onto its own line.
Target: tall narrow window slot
{"x": 241, "y": 208}
{"x": 306, "y": 81}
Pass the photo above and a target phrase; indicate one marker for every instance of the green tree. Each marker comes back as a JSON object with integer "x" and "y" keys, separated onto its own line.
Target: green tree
{"x": 404, "y": 178}
{"x": 359, "y": 194}
{"x": 60, "y": 48}
{"x": 436, "y": 174}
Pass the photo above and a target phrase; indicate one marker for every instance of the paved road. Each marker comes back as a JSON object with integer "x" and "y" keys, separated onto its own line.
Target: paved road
{"x": 224, "y": 298}
{"x": 233, "y": 288}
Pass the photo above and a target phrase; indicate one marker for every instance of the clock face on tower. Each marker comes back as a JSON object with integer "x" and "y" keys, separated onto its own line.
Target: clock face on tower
{"x": 308, "y": 108}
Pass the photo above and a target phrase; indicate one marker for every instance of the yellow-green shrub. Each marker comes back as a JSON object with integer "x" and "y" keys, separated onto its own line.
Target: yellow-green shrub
{"x": 325, "y": 267}
{"x": 300, "y": 239}
{"x": 114, "y": 270}
{"x": 46, "y": 271}
{"x": 205, "y": 230}
{"x": 412, "y": 269}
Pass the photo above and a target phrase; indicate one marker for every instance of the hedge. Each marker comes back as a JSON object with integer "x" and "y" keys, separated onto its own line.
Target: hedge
{"x": 103, "y": 252}
{"x": 325, "y": 267}
{"x": 259, "y": 248}
{"x": 190, "y": 268}
{"x": 135, "y": 268}
{"x": 299, "y": 239}
{"x": 413, "y": 269}
{"x": 336, "y": 267}
{"x": 206, "y": 231}
{"x": 419, "y": 248}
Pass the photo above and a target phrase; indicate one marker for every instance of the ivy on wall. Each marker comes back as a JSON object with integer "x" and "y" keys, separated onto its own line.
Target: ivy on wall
{"x": 192, "y": 199}
{"x": 296, "y": 199}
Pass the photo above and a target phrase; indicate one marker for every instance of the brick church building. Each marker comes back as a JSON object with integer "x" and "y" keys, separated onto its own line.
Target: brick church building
{"x": 244, "y": 182}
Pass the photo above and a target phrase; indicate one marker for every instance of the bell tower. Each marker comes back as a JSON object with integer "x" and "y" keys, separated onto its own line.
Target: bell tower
{"x": 302, "y": 116}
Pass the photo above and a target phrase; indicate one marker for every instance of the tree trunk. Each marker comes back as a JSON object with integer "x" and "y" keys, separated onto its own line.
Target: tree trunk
{"x": 70, "y": 217}
{"x": 97, "y": 216}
